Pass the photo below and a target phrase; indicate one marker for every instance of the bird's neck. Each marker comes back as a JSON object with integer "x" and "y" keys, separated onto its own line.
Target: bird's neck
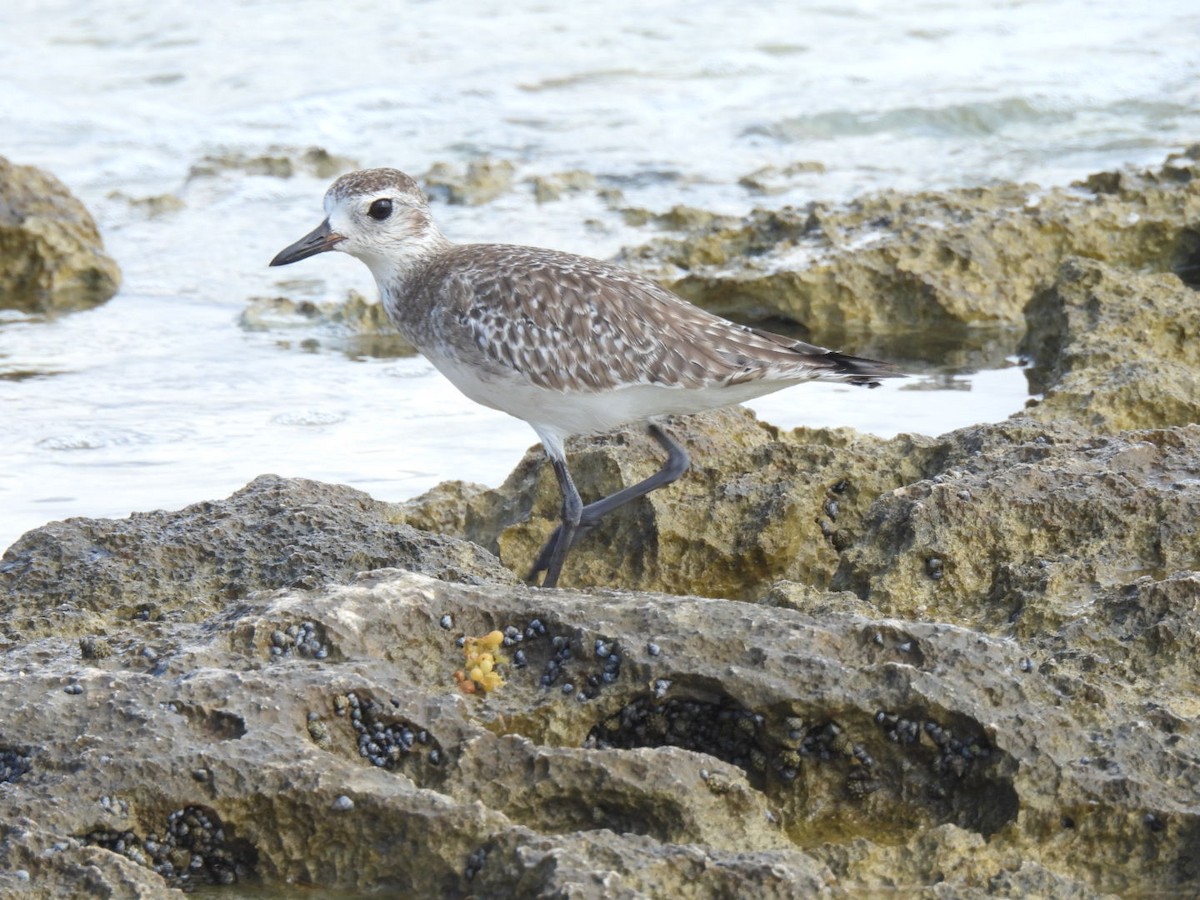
{"x": 400, "y": 262}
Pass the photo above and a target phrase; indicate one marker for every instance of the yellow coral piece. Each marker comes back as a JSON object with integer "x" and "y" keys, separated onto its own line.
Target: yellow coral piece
{"x": 490, "y": 681}
{"x": 482, "y": 657}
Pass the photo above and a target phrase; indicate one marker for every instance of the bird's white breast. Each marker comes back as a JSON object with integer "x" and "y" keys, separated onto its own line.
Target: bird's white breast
{"x": 566, "y": 413}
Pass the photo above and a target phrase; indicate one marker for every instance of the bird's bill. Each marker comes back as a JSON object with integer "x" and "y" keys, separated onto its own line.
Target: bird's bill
{"x": 318, "y": 240}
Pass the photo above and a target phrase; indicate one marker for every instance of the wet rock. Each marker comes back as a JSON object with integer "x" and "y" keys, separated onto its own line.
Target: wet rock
{"x": 151, "y": 207}
{"x": 92, "y": 577}
{"x": 356, "y": 326}
{"x": 777, "y": 179}
{"x": 785, "y": 755}
{"x": 548, "y": 188}
{"x": 483, "y": 181}
{"x": 52, "y": 258}
{"x": 972, "y": 257}
{"x": 991, "y": 523}
{"x": 957, "y": 860}
{"x": 753, "y": 508}
{"x": 1115, "y": 349}
{"x": 684, "y": 218}
{"x": 276, "y": 162}
{"x": 1057, "y": 521}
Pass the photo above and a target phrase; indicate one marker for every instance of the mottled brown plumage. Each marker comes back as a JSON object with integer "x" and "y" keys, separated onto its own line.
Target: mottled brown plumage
{"x": 569, "y": 344}
{"x": 570, "y": 324}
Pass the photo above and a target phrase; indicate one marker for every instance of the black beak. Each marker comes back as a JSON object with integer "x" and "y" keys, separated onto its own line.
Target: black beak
{"x": 318, "y": 240}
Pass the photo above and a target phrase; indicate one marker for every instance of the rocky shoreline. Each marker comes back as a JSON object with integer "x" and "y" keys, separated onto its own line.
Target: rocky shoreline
{"x": 822, "y": 664}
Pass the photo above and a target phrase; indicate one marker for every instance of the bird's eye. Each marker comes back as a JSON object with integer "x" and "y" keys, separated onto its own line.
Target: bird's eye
{"x": 380, "y": 209}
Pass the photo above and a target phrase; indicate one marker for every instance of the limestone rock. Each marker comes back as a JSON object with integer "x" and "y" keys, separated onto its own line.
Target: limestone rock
{"x": 483, "y": 181}
{"x": 84, "y": 576}
{"x": 1031, "y": 531}
{"x": 703, "y": 747}
{"x": 52, "y": 258}
{"x": 777, "y": 179}
{"x": 1117, "y": 350}
{"x": 758, "y": 505}
{"x": 972, "y": 257}
{"x": 276, "y": 162}
{"x": 355, "y": 326}
{"x": 548, "y": 188}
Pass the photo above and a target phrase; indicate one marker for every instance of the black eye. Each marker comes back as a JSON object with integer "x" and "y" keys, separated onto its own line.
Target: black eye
{"x": 380, "y": 209}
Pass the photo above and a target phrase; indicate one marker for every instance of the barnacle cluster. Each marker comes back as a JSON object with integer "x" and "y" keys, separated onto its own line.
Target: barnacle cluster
{"x": 192, "y": 850}
{"x": 585, "y": 685}
{"x": 727, "y": 731}
{"x": 384, "y": 740}
{"x": 568, "y": 665}
{"x": 482, "y": 656}
{"x": 13, "y": 764}
{"x": 737, "y": 735}
{"x": 475, "y": 863}
{"x": 828, "y": 741}
{"x": 953, "y": 755}
{"x": 303, "y": 639}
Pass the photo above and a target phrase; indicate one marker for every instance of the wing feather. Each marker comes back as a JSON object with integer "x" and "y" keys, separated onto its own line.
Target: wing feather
{"x": 569, "y": 323}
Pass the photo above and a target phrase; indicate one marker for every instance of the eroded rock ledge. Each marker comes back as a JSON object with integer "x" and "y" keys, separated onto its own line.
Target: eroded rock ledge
{"x": 739, "y": 748}
{"x": 955, "y": 259}
{"x": 975, "y": 676}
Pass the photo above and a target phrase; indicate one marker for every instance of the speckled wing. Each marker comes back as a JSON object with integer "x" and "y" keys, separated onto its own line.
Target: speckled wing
{"x": 568, "y": 323}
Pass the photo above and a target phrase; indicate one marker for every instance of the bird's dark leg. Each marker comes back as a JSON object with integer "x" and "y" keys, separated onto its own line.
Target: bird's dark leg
{"x": 555, "y": 550}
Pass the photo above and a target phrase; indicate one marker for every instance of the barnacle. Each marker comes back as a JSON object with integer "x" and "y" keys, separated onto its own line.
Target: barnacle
{"x": 482, "y": 655}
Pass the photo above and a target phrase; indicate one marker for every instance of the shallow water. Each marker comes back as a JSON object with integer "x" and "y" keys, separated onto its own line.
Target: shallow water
{"x": 159, "y": 398}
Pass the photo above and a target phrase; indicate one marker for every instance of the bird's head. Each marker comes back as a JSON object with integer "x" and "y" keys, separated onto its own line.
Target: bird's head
{"x": 380, "y": 216}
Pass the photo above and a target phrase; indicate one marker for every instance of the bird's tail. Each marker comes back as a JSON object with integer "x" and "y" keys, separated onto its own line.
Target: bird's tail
{"x": 856, "y": 369}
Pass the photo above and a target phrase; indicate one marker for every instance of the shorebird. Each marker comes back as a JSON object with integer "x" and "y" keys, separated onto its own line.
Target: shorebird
{"x": 569, "y": 344}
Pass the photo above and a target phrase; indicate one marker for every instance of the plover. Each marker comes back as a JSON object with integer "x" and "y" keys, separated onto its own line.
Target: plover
{"x": 569, "y": 344}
